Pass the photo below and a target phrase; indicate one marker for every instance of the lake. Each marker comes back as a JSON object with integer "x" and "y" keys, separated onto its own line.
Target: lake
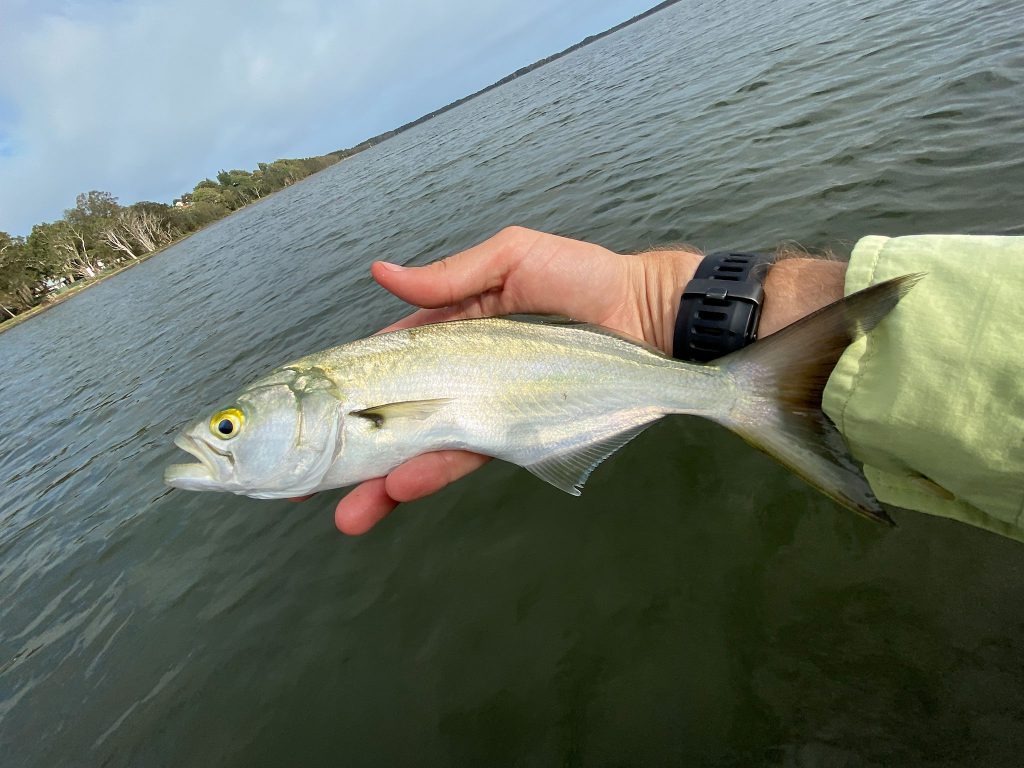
{"x": 698, "y": 605}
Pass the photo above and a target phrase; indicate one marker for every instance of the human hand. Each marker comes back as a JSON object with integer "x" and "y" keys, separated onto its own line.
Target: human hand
{"x": 519, "y": 270}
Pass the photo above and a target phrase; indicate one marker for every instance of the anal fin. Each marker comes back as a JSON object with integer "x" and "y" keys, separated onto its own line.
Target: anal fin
{"x": 569, "y": 470}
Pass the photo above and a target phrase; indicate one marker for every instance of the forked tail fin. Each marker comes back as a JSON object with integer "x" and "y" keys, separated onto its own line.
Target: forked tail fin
{"x": 782, "y": 378}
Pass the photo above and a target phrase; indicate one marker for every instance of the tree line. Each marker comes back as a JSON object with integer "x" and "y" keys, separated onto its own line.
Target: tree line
{"x": 99, "y": 234}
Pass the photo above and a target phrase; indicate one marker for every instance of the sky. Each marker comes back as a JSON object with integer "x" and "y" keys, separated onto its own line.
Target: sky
{"x": 143, "y": 99}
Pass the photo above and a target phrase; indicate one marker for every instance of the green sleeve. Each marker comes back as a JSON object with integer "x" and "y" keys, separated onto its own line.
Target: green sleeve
{"x": 932, "y": 401}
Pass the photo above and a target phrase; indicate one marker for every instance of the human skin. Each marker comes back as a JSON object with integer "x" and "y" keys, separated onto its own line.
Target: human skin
{"x": 520, "y": 270}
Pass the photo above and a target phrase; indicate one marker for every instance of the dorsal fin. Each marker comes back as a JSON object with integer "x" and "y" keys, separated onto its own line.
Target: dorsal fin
{"x": 568, "y": 322}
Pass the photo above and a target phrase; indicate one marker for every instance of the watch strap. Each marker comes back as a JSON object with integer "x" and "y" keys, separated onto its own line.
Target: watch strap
{"x": 721, "y": 306}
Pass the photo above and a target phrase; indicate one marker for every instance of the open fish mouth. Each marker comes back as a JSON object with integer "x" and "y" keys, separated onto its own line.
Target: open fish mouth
{"x": 195, "y": 476}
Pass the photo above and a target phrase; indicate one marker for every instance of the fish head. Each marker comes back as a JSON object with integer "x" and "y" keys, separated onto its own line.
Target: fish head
{"x": 275, "y": 439}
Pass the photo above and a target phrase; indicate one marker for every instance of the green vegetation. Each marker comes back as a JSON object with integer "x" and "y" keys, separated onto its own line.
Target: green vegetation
{"x": 99, "y": 236}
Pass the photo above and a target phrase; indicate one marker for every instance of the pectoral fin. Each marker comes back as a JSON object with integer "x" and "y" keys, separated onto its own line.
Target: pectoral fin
{"x": 380, "y": 415}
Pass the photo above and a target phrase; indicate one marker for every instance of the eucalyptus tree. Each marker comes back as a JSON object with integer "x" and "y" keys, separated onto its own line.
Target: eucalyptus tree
{"x": 142, "y": 227}
{"x": 15, "y": 288}
{"x": 81, "y": 235}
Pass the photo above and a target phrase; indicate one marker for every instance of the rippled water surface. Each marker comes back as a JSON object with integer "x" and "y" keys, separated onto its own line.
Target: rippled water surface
{"x": 698, "y": 605}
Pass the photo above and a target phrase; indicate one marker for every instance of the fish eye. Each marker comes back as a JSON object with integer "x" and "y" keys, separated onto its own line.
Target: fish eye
{"x": 227, "y": 423}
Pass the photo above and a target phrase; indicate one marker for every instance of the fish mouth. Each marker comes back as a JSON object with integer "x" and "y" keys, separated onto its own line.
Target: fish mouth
{"x": 195, "y": 477}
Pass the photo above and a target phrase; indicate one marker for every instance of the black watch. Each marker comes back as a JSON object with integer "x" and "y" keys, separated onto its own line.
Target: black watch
{"x": 720, "y": 308}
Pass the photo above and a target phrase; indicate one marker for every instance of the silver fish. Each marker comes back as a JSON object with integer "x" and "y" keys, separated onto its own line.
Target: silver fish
{"x": 555, "y": 397}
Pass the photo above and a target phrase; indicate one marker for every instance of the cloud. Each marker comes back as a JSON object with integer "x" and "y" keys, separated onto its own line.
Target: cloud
{"x": 145, "y": 99}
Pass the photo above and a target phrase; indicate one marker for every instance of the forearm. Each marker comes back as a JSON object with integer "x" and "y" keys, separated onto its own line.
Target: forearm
{"x": 797, "y": 287}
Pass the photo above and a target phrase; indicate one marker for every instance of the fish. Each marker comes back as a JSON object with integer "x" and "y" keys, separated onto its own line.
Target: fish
{"x": 552, "y": 395}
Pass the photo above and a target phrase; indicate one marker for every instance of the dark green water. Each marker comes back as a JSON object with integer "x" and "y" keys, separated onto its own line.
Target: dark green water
{"x": 697, "y": 606}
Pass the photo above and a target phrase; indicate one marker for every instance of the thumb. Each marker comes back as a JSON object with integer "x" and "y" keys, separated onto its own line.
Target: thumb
{"x": 479, "y": 269}
{"x": 440, "y": 284}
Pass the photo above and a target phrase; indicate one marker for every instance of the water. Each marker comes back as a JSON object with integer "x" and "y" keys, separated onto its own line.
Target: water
{"x": 698, "y": 605}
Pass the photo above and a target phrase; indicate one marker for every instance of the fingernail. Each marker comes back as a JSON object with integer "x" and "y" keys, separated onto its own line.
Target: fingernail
{"x": 391, "y": 267}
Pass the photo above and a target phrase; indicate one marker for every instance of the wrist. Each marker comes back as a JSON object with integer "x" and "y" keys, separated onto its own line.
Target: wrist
{"x": 661, "y": 278}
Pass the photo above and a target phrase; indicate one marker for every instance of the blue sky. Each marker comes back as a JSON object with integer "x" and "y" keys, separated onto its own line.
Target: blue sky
{"x": 144, "y": 99}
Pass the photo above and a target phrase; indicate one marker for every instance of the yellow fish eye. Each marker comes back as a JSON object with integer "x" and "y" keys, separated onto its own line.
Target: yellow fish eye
{"x": 227, "y": 423}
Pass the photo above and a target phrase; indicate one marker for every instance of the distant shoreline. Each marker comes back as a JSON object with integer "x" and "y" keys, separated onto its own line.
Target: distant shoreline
{"x": 80, "y": 285}
{"x": 375, "y": 140}
{"x": 88, "y": 282}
